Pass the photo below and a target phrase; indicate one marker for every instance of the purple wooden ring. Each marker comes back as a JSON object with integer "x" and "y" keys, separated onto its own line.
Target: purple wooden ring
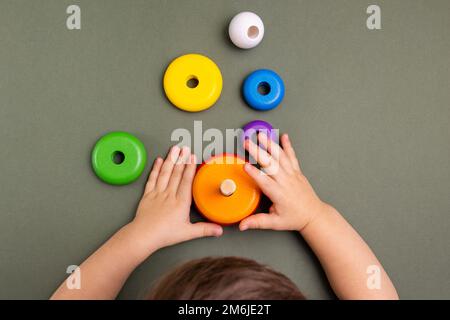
{"x": 254, "y": 127}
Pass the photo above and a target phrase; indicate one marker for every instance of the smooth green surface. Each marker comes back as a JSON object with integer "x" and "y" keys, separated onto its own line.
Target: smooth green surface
{"x": 128, "y": 167}
{"x": 368, "y": 112}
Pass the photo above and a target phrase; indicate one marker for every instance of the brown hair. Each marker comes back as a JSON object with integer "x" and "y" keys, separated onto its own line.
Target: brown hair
{"x": 225, "y": 278}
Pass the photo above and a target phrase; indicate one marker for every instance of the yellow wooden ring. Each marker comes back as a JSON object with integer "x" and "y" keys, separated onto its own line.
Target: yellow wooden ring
{"x": 192, "y": 69}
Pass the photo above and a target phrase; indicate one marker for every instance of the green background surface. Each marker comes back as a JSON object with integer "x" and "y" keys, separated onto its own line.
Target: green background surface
{"x": 368, "y": 112}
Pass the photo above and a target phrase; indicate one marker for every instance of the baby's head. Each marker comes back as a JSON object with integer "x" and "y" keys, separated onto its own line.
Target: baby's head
{"x": 225, "y": 278}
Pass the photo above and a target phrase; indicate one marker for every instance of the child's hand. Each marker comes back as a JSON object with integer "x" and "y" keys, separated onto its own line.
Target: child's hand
{"x": 162, "y": 218}
{"x": 295, "y": 203}
{"x": 297, "y": 207}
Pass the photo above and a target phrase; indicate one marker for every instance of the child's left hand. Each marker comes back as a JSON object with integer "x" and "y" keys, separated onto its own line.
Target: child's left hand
{"x": 162, "y": 218}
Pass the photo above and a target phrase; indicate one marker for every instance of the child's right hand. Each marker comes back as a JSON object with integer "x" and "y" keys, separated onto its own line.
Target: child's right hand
{"x": 295, "y": 204}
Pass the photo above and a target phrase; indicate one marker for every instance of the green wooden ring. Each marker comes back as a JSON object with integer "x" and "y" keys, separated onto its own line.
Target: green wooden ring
{"x": 132, "y": 152}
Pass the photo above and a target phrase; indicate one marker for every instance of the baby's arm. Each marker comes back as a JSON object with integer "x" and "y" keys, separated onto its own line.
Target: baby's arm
{"x": 344, "y": 255}
{"x": 162, "y": 219}
{"x": 349, "y": 263}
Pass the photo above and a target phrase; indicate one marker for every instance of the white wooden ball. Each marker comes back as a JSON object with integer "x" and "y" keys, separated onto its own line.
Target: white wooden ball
{"x": 246, "y": 30}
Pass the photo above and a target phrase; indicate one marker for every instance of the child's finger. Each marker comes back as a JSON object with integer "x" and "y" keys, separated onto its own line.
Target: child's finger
{"x": 185, "y": 186}
{"x": 205, "y": 229}
{"x": 151, "y": 182}
{"x": 271, "y": 146}
{"x": 264, "y": 182}
{"x": 258, "y": 221}
{"x": 167, "y": 167}
{"x": 177, "y": 173}
{"x": 275, "y": 150}
{"x": 259, "y": 154}
{"x": 290, "y": 152}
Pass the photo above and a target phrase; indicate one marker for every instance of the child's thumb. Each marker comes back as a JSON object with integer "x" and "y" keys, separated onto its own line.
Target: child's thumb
{"x": 258, "y": 221}
{"x": 205, "y": 229}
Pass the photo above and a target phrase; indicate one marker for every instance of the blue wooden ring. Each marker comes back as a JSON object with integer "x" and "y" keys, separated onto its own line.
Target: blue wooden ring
{"x": 263, "y": 90}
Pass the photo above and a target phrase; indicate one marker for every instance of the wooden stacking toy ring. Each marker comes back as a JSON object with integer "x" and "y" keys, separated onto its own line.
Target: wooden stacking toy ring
{"x": 263, "y": 90}
{"x": 223, "y": 192}
{"x": 193, "y": 82}
{"x": 252, "y": 128}
{"x": 246, "y": 30}
{"x": 118, "y": 158}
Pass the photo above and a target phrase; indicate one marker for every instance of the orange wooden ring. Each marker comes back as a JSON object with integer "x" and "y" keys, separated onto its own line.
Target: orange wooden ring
{"x": 213, "y": 179}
